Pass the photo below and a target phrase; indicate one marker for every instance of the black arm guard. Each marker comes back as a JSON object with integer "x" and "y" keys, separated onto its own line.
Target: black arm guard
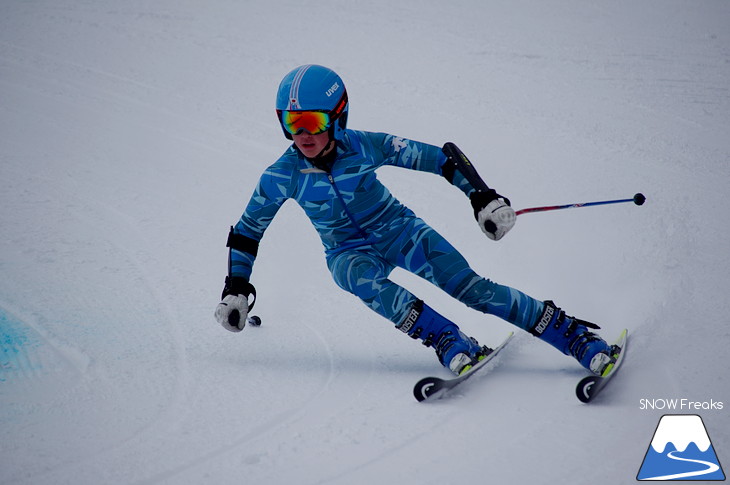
{"x": 242, "y": 243}
{"x": 456, "y": 160}
{"x": 236, "y": 285}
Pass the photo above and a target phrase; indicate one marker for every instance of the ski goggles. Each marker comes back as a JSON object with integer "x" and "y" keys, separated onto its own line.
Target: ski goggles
{"x": 313, "y": 122}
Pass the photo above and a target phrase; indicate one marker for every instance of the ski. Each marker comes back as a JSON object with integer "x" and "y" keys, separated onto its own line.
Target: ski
{"x": 432, "y": 388}
{"x": 589, "y": 387}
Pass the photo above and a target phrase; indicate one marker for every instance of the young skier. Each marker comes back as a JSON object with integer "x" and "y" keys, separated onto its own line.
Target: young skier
{"x": 329, "y": 171}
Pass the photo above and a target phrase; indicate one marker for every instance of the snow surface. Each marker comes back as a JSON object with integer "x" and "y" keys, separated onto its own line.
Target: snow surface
{"x": 132, "y": 134}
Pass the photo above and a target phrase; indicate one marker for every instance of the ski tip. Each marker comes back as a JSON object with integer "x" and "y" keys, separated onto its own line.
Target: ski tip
{"x": 427, "y": 388}
{"x": 584, "y": 389}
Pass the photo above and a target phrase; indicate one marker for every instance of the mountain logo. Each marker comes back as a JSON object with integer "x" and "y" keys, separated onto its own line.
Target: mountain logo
{"x": 681, "y": 450}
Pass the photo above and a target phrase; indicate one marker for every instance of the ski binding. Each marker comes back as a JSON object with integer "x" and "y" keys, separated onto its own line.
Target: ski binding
{"x": 589, "y": 387}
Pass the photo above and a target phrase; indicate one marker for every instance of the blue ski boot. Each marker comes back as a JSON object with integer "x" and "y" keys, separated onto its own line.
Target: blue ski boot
{"x": 572, "y": 337}
{"x": 455, "y": 351}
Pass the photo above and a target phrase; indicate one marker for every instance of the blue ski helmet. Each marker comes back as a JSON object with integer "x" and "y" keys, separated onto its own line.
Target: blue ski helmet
{"x": 314, "y": 88}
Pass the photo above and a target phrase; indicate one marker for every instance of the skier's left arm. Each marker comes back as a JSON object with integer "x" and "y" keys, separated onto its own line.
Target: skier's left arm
{"x": 492, "y": 211}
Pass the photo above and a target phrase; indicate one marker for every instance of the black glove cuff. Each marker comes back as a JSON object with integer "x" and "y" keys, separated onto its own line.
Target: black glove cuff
{"x": 236, "y": 285}
{"x": 481, "y": 199}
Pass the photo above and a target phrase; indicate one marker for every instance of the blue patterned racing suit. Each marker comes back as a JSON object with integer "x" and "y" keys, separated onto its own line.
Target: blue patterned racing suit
{"x": 367, "y": 232}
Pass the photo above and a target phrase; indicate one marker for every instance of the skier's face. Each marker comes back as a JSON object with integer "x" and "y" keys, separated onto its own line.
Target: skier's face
{"x": 312, "y": 145}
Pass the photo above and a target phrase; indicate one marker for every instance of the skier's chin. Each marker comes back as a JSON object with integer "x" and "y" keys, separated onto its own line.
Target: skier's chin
{"x": 309, "y": 150}
{"x": 311, "y": 146}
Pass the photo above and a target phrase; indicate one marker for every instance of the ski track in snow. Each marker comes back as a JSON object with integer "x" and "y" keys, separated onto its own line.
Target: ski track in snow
{"x": 87, "y": 365}
{"x": 132, "y": 135}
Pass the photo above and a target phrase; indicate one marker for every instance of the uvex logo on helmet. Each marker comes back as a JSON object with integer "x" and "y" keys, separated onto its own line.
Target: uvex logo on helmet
{"x": 333, "y": 89}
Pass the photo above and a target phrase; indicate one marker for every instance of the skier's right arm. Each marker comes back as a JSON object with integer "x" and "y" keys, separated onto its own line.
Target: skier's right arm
{"x": 239, "y": 295}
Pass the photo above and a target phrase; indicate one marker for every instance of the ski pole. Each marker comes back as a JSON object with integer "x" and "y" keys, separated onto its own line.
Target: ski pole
{"x": 637, "y": 199}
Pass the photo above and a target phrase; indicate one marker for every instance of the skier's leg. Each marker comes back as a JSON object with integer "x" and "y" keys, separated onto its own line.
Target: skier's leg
{"x": 424, "y": 252}
{"x": 430, "y": 256}
{"x": 366, "y": 276}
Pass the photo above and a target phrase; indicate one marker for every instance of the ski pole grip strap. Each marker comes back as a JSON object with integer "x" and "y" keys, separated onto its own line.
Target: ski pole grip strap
{"x": 252, "y": 294}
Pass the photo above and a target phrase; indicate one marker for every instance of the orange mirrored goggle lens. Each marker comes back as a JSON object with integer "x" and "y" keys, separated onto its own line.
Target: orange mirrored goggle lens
{"x": 313, "y": 122}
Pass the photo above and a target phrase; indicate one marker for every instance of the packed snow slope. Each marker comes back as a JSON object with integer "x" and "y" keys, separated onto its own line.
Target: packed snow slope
{"x": 132, "y": 134}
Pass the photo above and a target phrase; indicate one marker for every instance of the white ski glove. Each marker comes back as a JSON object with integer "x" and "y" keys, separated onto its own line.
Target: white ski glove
{"x": 232, "y": 312}
{"x": 496, "y": 219}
